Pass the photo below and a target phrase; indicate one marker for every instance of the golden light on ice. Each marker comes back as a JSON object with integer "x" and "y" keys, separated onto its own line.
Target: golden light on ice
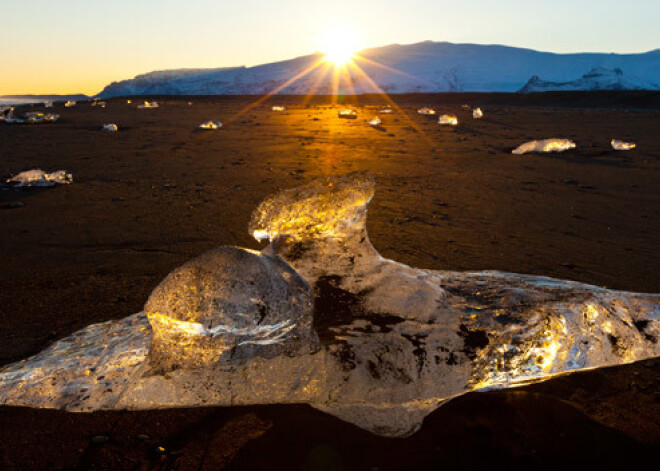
{"x": 339, "y": 46}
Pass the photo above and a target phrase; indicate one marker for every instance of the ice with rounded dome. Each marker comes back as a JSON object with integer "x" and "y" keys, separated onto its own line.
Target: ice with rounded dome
{"x": 320, "y": 317}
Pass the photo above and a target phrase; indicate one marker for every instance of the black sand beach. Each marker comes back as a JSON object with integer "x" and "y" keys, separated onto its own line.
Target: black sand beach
{"x": 160, "y": 191}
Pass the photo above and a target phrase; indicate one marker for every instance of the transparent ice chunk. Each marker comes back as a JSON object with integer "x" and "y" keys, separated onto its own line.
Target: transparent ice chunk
{"x": 544, "y": 146}
{"x": 383, "y": 345}
{"x": 448, "y": 120}
{"x": 38, "y": 177}
{"x": 111, "y": 127}
{"x": 477, "y": 113}
{"x": 347, "y": 113}
{"x": 375, "y": 121}
{"x": 621, "y": 145}
{"x": 148, "y": 104}
{"x": 211, "y": 125}
{"x": 426, "y": 111}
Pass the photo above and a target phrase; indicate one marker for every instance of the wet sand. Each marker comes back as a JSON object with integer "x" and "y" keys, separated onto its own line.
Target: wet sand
{"x": 160, "y": 191}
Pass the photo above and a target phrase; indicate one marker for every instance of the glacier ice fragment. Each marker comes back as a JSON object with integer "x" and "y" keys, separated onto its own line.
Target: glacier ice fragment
{"x": 544, "y": 146}
{"x": 320, "y": 317}
{"x": 426, "y": 111}
{"x": 375, "y": 121}
{"x": 621, "y": 145}
{"x": 38, "y": 177}
{"x": 448, "y": 120}
{"x": 211, "y": 125}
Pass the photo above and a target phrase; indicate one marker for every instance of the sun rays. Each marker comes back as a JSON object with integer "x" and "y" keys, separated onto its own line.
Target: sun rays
{"x": 334, "y": 72}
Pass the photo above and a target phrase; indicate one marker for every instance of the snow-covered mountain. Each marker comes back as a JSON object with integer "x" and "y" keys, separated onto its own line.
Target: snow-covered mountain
{"x": 422, "y": 67}
{"x": 597, "y": 79}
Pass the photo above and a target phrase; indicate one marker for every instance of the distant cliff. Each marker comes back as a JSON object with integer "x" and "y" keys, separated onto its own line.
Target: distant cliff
{"x": 597, "y": 79}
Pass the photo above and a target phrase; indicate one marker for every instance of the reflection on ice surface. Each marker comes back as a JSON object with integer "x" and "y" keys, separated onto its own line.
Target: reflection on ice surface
{"x": 319, "y": 317}
{"x": 38, "y": 177}
{"x": 278, "y": 108}
{"x": 621, "y": 145}
{"x": 544, "y": 146}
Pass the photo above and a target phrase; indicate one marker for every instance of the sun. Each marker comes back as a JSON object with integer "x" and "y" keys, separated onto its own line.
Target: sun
{"x": 339, "y": 46}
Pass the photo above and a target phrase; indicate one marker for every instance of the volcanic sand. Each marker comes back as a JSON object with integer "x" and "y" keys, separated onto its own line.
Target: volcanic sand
{"x": 160, "y": 191}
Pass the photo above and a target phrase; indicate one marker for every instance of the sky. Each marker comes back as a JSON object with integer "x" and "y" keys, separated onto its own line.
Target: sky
{"x": 79, "y": 46}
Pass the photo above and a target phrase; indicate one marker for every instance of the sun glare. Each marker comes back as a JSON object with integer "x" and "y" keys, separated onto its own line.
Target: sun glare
{"x": 339, "y": 46}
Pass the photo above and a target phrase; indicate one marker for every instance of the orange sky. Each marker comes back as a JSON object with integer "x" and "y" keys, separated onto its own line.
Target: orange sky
{"x": 79, "y": 46}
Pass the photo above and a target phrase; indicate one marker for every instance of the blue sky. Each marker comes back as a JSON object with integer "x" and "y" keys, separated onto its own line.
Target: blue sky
{"x": 66, "y": 46}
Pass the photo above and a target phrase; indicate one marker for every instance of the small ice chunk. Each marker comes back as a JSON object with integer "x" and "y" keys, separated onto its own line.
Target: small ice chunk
{"x": 348, "y": 113}
{"x": 426, "y": 111}
{"x": 70, "y": 103}
{"x": 38, "y": 177}
{"x": 278, "y": 108}
{"x": 128, "y": 102}
{"x": 387, "y": 110}
{"x": 211, "y": 125}
{"x": 48, "y": 104}
{"x": 477, "y": 113}
{"x": 621, "y": 145}
{"x": 148, "y": 104}
{"x": 448, "y": 120}
{"x": 544, "y": 146}
{"x": 35, "y": 117}
{"x": 31, "y": 117}
{"x": 99, "y": 103}
{"x": 112, "y": 127}
{"x": 375, "y": 121}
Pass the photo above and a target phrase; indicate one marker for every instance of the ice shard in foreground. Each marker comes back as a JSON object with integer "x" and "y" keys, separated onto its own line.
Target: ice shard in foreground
{"x": 319, "y": 317}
